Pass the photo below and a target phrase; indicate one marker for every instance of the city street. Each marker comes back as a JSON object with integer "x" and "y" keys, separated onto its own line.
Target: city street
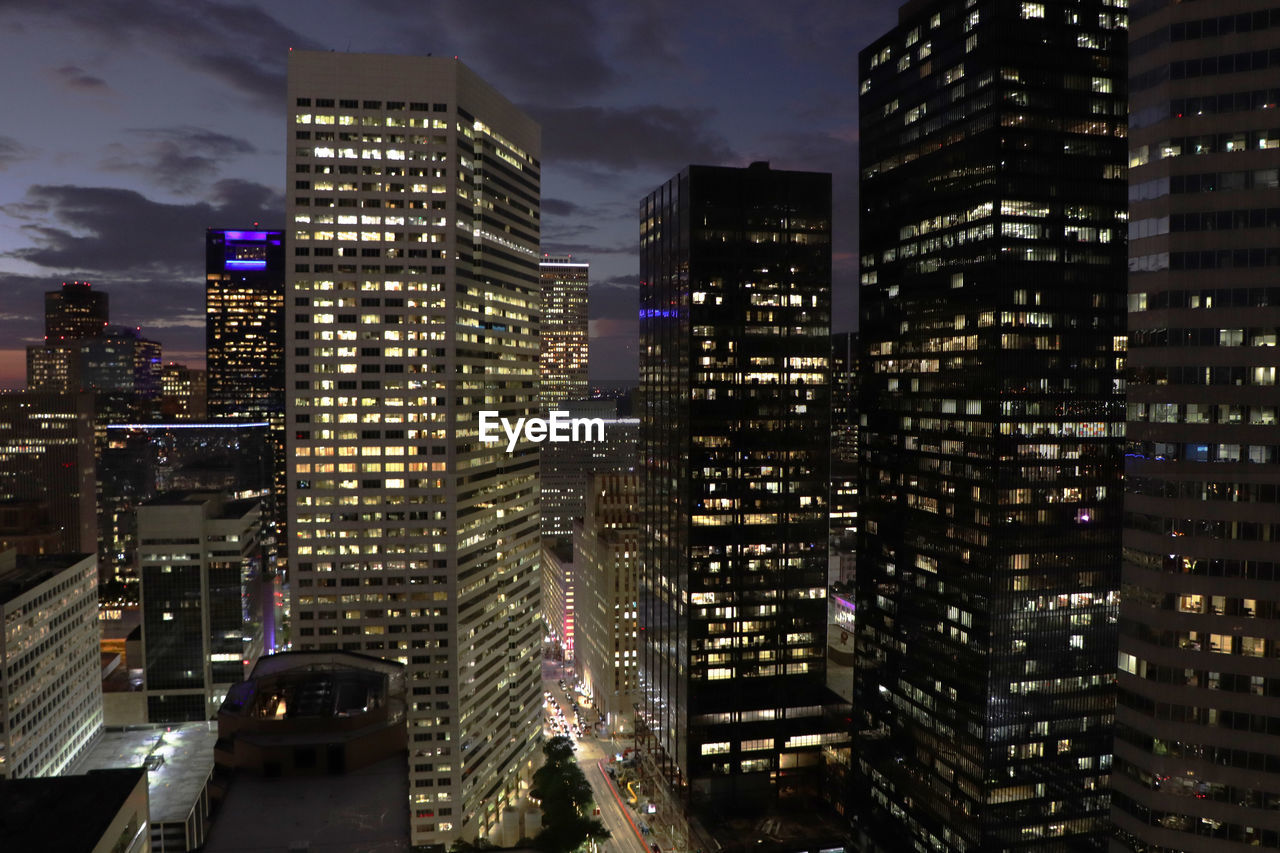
{"x": 593, "y": 755}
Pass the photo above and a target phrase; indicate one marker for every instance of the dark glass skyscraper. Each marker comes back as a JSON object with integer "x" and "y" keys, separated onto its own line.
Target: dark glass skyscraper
{"x": 992, "y": 303}
{"x": 244, "y": 324}
{"x": 244, "y": 342}
{"x": 1198, "y": 721}
{"x": 735, "y": 298}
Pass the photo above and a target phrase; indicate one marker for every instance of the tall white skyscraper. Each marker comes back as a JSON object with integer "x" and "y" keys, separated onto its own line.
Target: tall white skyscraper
{"x": 413, "y": 304}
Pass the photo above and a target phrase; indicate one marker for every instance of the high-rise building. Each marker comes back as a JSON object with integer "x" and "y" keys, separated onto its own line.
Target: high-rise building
{"x": 1196, "y": 767}
{"x": 71, "y": 314}
{"x": 844, "y": 456}
{"x": 844, "y": 398}
{"x": 200, "y": 565}
{"x": 74, "y": 312}
{"x": 183, "y": 393}
{"x": 50, "y": 670}
{"x": 606, "y": 570}
{"x": 567, "y": 466}
{"x": 557, "y": 597}
{"x": 414, "y": 305}
{"x": 565, "y": 339}
{"x": 46, "y": 460}
{"x": 244, "y": 337}
{"x": 140, "y": 461}
{"x": 735, "y": 301}
{"x": 992, "y": 343}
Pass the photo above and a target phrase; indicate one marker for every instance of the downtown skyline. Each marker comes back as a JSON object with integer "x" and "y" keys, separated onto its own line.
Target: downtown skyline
{"x": 143, "y": 125}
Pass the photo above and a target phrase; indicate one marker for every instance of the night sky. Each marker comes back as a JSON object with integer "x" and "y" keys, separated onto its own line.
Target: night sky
{"x": 128, "y": 128}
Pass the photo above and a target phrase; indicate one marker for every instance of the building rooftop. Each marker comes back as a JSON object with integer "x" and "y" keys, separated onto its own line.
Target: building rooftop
{"x": 361, "y": 811}
{"x": 20, "y": 574}
{"x": 179, "y": 760}
{"x": 68, "y": 813}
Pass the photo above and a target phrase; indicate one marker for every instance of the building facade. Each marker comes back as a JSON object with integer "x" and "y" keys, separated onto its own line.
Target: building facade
{"x": 735, "y": 337}
{"x": 565, "y": 339}
{"x": 1198, "y": 719}
{"x": 46, "y": 462}
{"x": 606, "y": 549}
{"x": 140, "y": 461}
{"x": 567, "y": 466}
{"x": 413, "y": 304}
{"x": 50, "y": 671}
{"x": 71, "y": 314}
{"x": 201, "y": 571}
{"x": 992, "y": 343}
{"x": 244, "y": 339}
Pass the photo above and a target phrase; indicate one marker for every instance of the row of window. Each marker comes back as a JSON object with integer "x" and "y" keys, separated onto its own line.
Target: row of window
{"x": 1242, "y": 531}
{"x": 1222, "y": 297}
{"x": 348, "y": 104}
{"x": 1232, "y": 63}
{"x": 1203, "y": 490}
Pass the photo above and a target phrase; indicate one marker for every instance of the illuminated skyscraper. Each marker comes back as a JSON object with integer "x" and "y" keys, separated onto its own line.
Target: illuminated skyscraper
{"x": 992, "y": 335}
{"x": 735, "y": 302}
{"x": 1198, "y": 718}
{"x": 565, "y": 338}
{"x": 244, "y": 339}
{"x": 413, "y": 304}
{"x": 244, "y": 324}
{"x": 71, "y": 314}
{"x": 46, "y": 462}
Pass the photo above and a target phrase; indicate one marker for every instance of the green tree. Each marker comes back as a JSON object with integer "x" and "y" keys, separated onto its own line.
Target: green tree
{"x": 565, "y": 795}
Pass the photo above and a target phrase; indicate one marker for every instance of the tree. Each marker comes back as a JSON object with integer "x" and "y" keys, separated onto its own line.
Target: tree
{"x": 565, "y": 795}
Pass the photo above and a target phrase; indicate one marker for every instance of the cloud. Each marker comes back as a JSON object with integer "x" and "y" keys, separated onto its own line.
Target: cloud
{"x": 104, "y": 231}
{"x": 11, "y": 151}
{"x": 239, "y": 44}
{"x": 664, "y": 138}
{"x": 176, "y": 158}
{"x": 560, "y": 207}
{"x": 75, "y": 77}
{"x": 528, "y": 51}
{"x": 615, "y": 298}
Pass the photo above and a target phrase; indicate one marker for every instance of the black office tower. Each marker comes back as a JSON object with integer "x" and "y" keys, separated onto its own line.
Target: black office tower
{"x": 735, "y": 294}
{"x": 992, "y": 321}
{"x": 244, "y": 342}
{"x": 1198, "y": 722}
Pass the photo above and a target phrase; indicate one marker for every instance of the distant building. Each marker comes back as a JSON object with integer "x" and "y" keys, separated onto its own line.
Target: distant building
{"x": 74, "y": 312}
{"x": 565, "y": 337}
{"x": 606, "y": 571}
{"x": 71, "y": 314}
{"x": 557, "y": 596}
{"x": 844, "y": 456}
{"x": 140, "y": 461}
{"x": 735, "y": 344}
{"x": 201, "y": 568}
{"x": 567, "y": 466}
{"x": 183, "y": 393}
{"x": 50, "y": 667}
{"x": 104, "y": 811}
{"x": 121, "y": 361}
{"x": 244, "y": 338}
{"x": 46, "y": 460}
